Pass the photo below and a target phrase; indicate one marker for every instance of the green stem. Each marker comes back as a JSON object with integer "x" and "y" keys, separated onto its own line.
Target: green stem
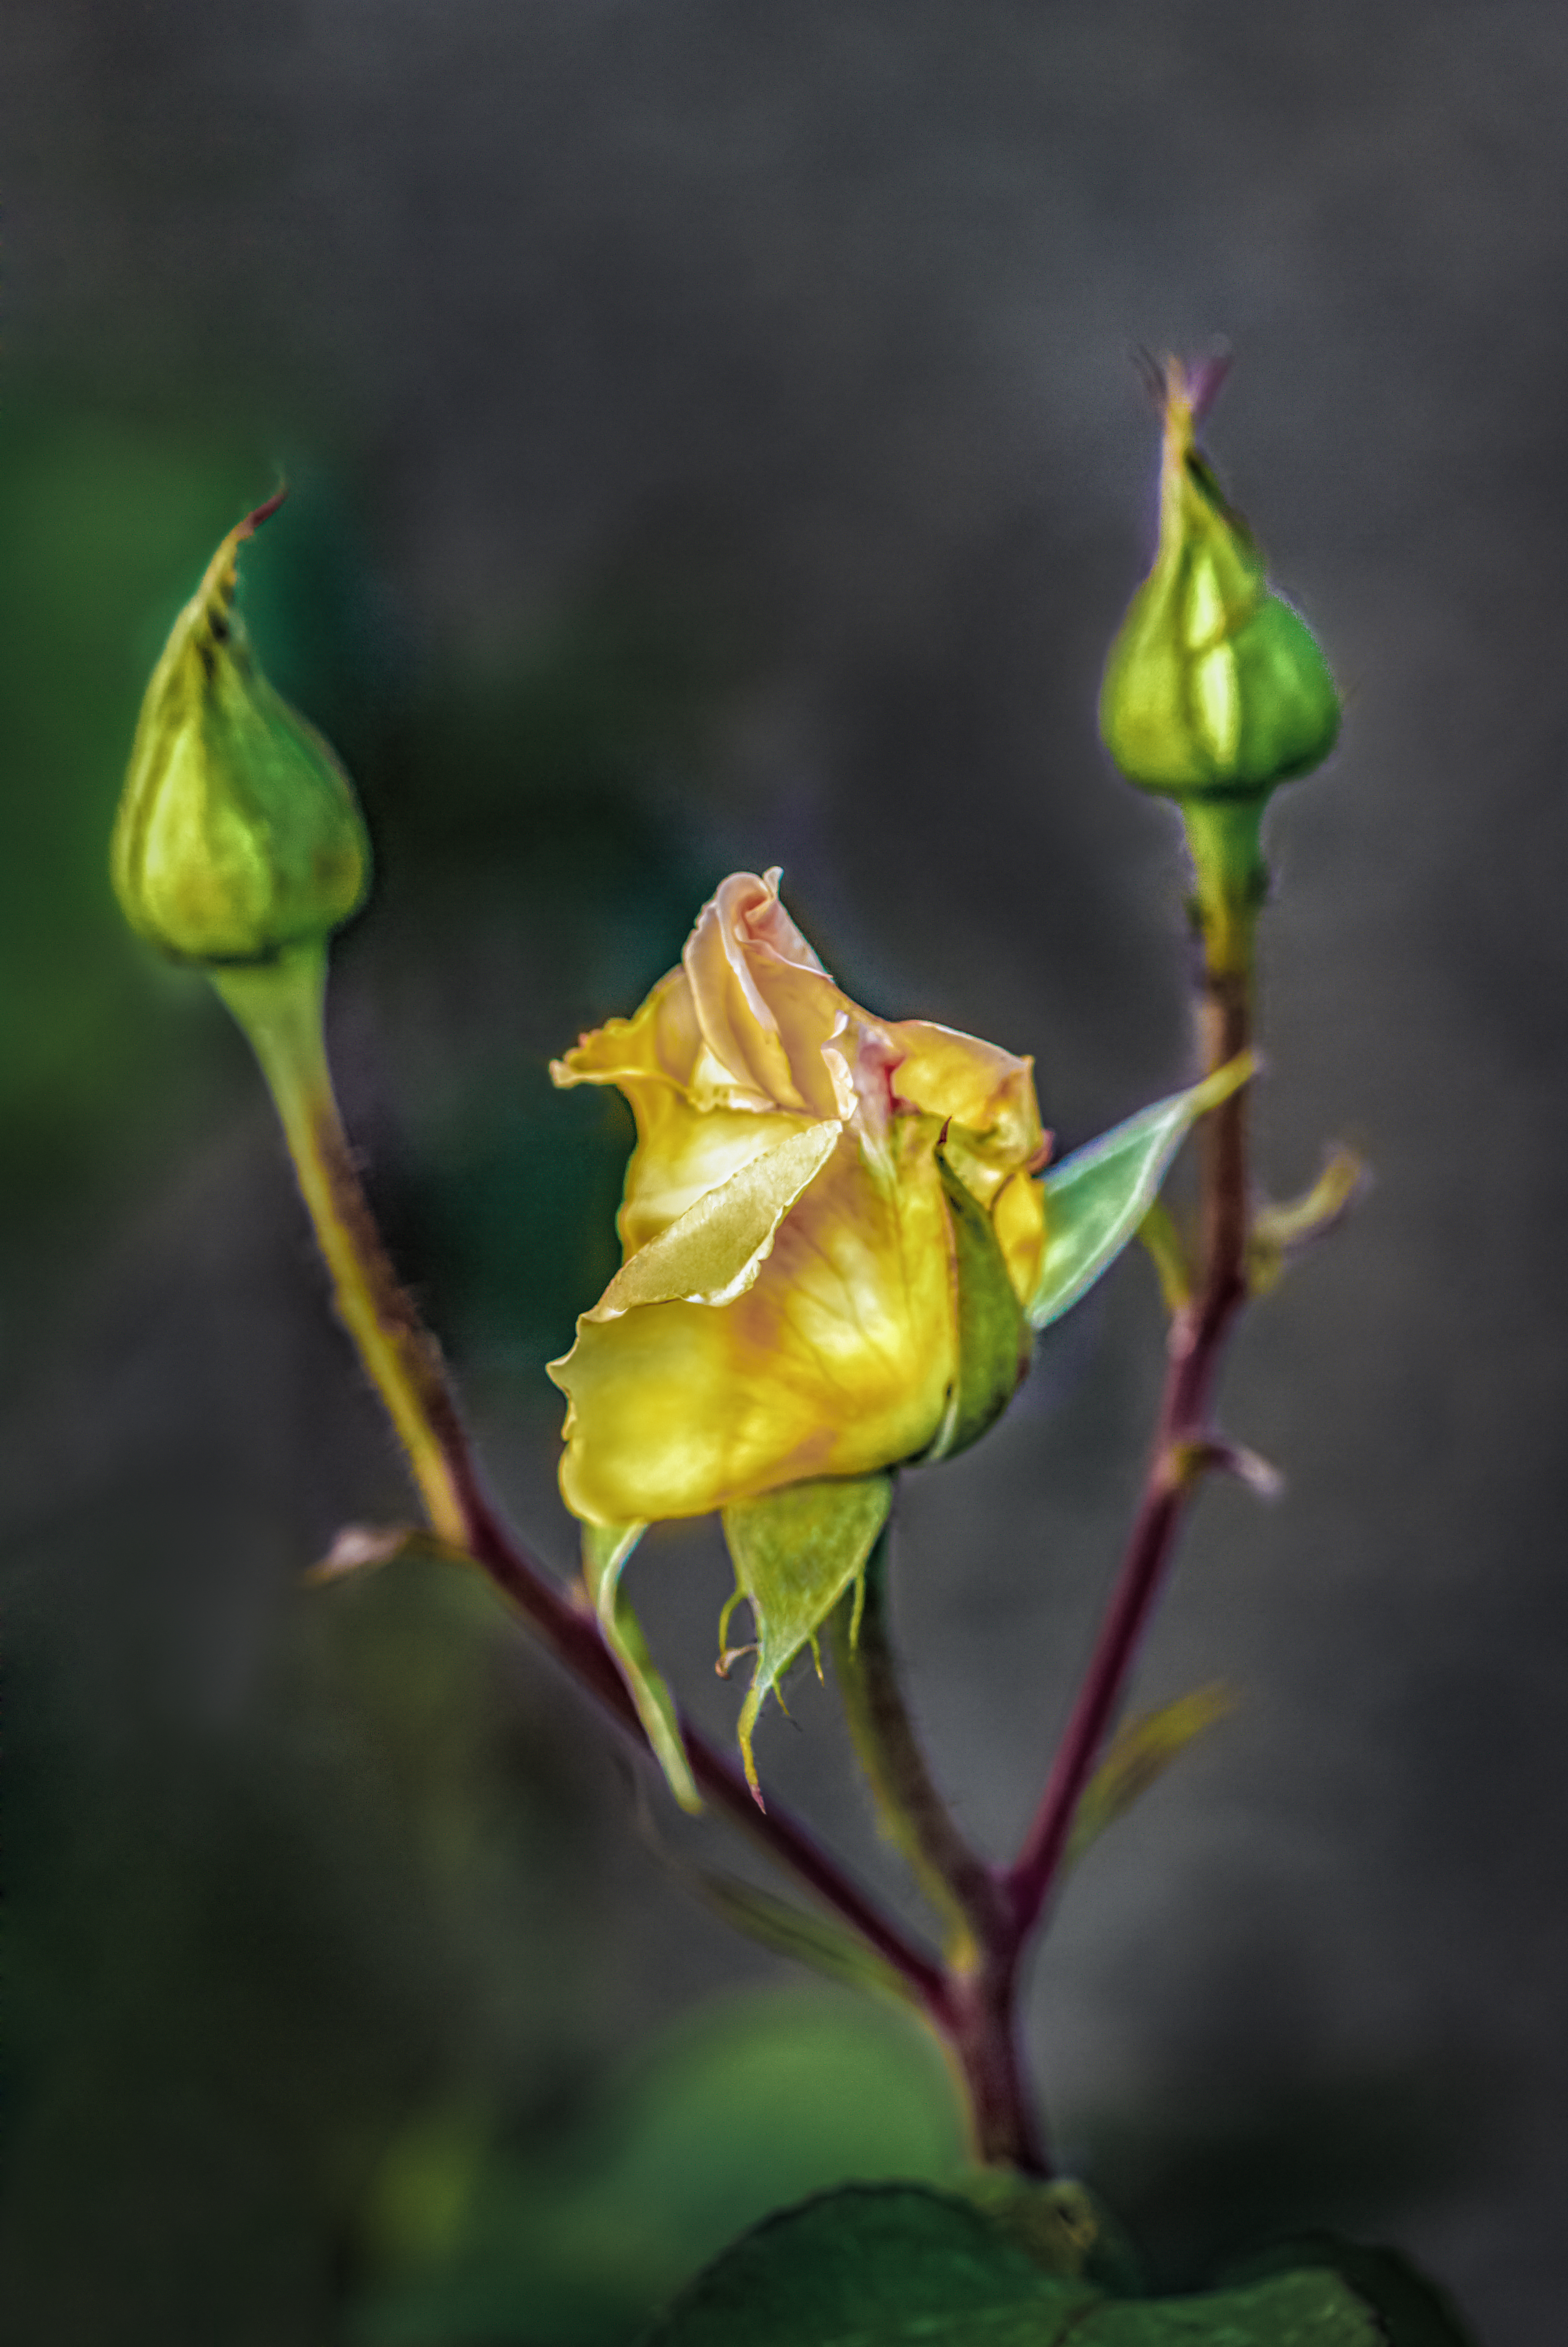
{"x": 1184, "y": 1448}
{"x": 280, "y": 1005}
{"x": 911, "y": 1810}
{"x": 1225, "y": 837}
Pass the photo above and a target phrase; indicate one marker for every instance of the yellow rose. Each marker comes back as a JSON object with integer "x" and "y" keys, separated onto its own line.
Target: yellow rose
{"x": 834, "y": 1249}
{"x": 789, "y": 1305}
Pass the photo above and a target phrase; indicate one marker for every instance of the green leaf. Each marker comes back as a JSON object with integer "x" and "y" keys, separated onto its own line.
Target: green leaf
{"x": 875, "y": 2265}
{"x": 993, "y": 1333}
{"x": 1137, "y": 1755}
{"x": 1280, "y": 1233}
{"x": 795, "y": 1552}
{"x": 1095, "y": 1199}
{"x": 605, "y": 1548}
{"x": 790, "y": 1931}
{"x": 891, "y": 2266}
{"x": 1413, "y": 2310}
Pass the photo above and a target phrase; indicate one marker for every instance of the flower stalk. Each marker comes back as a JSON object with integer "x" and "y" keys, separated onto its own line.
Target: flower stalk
{"x": 1184, "y": 1448}
{"x": 278, "y": 1005}
{"x": 962, "y": 1889}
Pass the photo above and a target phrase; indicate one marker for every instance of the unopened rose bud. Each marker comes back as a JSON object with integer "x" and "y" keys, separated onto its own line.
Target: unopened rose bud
{"x": 1215, "y": 688}
{"x": 237, "y": 834}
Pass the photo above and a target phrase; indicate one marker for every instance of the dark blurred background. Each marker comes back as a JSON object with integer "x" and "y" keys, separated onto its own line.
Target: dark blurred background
{"x": 714, "y": 443}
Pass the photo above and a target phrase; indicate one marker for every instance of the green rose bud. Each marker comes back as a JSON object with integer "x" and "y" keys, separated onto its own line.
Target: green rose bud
{"x": 237, "y": 834}
{"x": 1215, "y": 688}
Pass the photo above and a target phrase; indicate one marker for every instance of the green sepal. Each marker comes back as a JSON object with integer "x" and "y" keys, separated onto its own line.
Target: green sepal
{"x": 993, "y": 1337}
{"x": 887, "y": 2265}
{"x": 605, "y": 1548}
{"x": 1095, "y": 1199}
{"x": 795, "y": 1552}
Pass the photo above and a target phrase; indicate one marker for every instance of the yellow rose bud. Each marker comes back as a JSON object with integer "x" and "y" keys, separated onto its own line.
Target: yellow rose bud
{"x": 1215, "y": 688}
{"x": 238, "y": 834}
{"x": 810, "y": 1191}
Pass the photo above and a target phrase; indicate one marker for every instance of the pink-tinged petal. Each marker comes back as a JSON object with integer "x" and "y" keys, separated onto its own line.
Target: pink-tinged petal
{"x": 769, "y": 925}
{"x": 836, "y": 1361}
{"x": 764, "y": 1005}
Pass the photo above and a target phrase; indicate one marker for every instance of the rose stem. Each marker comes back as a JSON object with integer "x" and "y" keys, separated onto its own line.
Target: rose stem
{"x": 983, "y": 1942}
{"x": 1182, "y": 1448}
{"x": 280, "y": 1007}
{"x": 911, "y": 1811}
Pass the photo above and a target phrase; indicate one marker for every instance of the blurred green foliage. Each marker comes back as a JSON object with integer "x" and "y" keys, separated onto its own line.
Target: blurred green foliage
{"x": 750, "y": 2106}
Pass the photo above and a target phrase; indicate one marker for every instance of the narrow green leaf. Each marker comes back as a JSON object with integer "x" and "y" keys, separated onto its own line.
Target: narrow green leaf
{"x": 605, "y": 1548}
{"x": 1167, "y": 1250}
{"x": 1280, "y": 1233}
{"x": 795, "y": 1552}
{"x": 993, "y": 1334}
{"x": 1137, "y": 1755}
{"x": 1095, "y": 1199}
{"x": 790, "y": 1931}
{"x": 891, "y": 2266}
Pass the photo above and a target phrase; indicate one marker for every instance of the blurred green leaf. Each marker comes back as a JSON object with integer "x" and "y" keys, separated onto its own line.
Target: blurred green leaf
{"x": 1414, "y": 2311}
{"x": 795, "y": 1932}
{"x": 891, "y": 2267}
{"x": 1136, "y": 1758}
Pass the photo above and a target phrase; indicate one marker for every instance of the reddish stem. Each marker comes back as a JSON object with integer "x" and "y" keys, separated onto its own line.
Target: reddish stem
{"x": 1182, "y": 1451}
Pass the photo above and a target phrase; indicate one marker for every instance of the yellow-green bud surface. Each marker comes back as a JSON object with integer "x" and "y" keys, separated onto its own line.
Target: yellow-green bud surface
{"x": 1215, "y": 687}
{"x": 238, "y": 834}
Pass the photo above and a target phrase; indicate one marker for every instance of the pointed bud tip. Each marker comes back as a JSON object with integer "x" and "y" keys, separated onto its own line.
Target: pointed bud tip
{"x": 259, "y": 514}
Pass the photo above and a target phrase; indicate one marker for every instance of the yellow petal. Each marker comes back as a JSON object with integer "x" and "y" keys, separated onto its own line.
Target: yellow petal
{"x": 835, "y": 1360}
{"x": 683, "y": 1149}
{"x": 767, "y": 1010}
{"x": 1018, "y": 1218}
{"x": 659, "y": 1042}
{"x": 987, "y": 1093}
{"x": 713, "y": 1252}
{"x": 683, "y": 1152}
